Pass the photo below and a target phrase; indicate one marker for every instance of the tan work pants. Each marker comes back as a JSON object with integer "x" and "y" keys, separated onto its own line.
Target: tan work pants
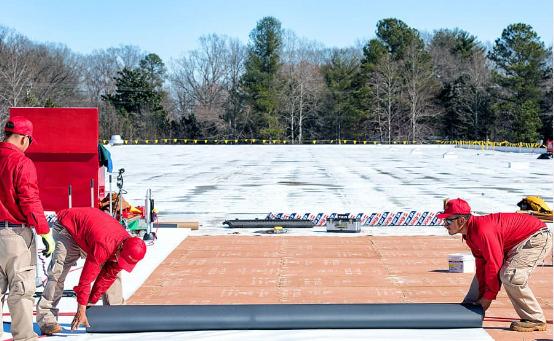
{"x": 520, "y": 262}
{"x": 66, "y": 255}
{"x": 17, "y": 273}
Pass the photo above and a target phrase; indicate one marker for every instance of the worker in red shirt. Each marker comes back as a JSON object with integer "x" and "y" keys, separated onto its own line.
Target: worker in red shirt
{"x": 20, "y": 211}
{"x": 109, "y": 248}
{"x": 507, "y": 247}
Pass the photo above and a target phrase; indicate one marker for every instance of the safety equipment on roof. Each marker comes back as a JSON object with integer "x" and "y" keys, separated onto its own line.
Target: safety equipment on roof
{"x": 534, "y": 203}
{"x": 132, "y": 251}
{"x": 49, "y": 244}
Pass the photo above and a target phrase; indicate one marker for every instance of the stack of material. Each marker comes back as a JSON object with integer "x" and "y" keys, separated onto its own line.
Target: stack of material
{"x": 184, "y": 224}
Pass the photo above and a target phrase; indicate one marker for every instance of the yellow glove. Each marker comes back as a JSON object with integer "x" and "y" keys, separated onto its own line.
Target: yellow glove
{"x": 49, "y": 244}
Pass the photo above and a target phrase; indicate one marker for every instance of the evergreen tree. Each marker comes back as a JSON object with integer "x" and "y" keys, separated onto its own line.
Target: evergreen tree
{"x": 396, "y": 82}
{"x": 521, "y": 65}
{"x": 341, "y": 117}
{"x": 397, "y": 36}
{"x": 466, "y": 105}
{"x": 373, "y": 52}
{"x": 455, "y": 52}
{"x": 259, "y": 82}
{"x": 460, "y": 65}
{"x": 365, "y": 96}
{"x": 546, "y": 101}
{"x": 138, "y": 98}
{"x": 154, "y": 69}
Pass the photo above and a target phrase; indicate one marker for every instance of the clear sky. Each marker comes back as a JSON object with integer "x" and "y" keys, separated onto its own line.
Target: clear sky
{"x": 172, "y": 27}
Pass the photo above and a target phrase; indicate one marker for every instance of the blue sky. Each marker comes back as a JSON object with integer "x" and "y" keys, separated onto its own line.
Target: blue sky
{"x": 172, "y": 27}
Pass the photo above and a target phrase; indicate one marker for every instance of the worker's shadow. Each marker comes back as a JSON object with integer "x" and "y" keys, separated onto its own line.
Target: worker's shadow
{"x": 498, "y": 328}
{"x": 6, "y": 327}
{"x": 66, "y": 331}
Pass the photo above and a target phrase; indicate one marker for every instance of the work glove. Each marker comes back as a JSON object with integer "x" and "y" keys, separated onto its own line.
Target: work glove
{"x": 49, "y": 244}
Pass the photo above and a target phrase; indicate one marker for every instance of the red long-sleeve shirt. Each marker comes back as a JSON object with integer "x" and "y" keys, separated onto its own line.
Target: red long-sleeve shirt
{"x": 19, "y": 196}
{"x": 490, "y": 237}
{"x": 99, "y": 235}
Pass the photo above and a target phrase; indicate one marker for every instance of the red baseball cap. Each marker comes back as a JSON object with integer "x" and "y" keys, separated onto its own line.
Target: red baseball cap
{"x": 19, "y": 125}
{"x": 455, "y": 207}
{"x": 132, "y": 252}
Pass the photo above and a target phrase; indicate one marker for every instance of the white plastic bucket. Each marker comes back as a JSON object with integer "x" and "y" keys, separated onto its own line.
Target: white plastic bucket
{"x": 461, "y": 262}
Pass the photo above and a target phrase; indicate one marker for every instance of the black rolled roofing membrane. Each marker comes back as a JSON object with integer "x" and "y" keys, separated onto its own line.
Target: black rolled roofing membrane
{"x": 265, "y": 223}
{"x": 166, "y": 318}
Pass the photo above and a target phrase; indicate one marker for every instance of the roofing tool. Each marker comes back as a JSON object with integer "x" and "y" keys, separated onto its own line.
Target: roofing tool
{"x": 148, "y": 209}
{"x": 121, "y": 191}
{"x": 110, "y": 194}
{"x": 274, "y": 230}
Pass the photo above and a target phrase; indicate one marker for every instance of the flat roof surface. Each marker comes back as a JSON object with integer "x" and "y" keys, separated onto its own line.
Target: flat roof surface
{"x": 299, "y": 269}
{"x": 382, "y": 264}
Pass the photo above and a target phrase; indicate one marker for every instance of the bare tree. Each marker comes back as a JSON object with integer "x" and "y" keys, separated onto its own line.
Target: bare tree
{"x": 99, "y": 69}
{"x": 235, "y": 69}
{"x": 202, "y": 80}
{"x": 420, "y": 86}
{"x": 55, "y": 77}
{"x": 303, "y": 81}
{"x": 15, "y": 68}
{"x": 387, "y": 85}
{"x": 36, "y": 74}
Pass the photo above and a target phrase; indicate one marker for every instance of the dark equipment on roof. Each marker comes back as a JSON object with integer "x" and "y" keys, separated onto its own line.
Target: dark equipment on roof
{"x": 269, "y": 223}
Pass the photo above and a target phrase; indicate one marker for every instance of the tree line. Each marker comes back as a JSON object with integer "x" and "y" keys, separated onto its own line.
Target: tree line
{"x": 402, "y": 85}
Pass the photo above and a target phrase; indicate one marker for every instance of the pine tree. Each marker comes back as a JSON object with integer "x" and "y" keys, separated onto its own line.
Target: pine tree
{"x": 397, "y": 37}
{"x": 341, "y": 116}
{"x": 138, "y": 98}
{"x": 396, "y": 82}
{"x": 459, "y": 62}
{"x": 259, "y": 80}
{"x": 466, "y": 107}
{"x": 521, "y": 65}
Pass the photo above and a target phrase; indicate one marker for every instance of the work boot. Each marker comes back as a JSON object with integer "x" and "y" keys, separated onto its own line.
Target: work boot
{"x": 528, "y": 326}
{"x": 50, "y": 329}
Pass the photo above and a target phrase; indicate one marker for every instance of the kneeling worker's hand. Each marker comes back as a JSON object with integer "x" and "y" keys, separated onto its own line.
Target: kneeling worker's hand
{"x": 80, "y": 318}
{"x": 49, "y": 244}
{"x": 484, "y": 303}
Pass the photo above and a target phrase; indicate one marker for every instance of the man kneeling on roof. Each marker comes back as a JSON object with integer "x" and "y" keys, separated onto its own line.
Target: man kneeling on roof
{"x": 507, "y": 247}
{"x": 109, "y": 249}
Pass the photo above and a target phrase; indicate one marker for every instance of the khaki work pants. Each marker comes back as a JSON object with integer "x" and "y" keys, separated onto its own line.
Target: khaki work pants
{"x": 518, "y": 265}
{"x": 17, "y": 273}
{"x": 66, "y": 255}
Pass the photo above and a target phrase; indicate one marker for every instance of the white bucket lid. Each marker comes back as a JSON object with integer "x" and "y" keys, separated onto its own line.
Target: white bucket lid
{"x": 460, "y": 257}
